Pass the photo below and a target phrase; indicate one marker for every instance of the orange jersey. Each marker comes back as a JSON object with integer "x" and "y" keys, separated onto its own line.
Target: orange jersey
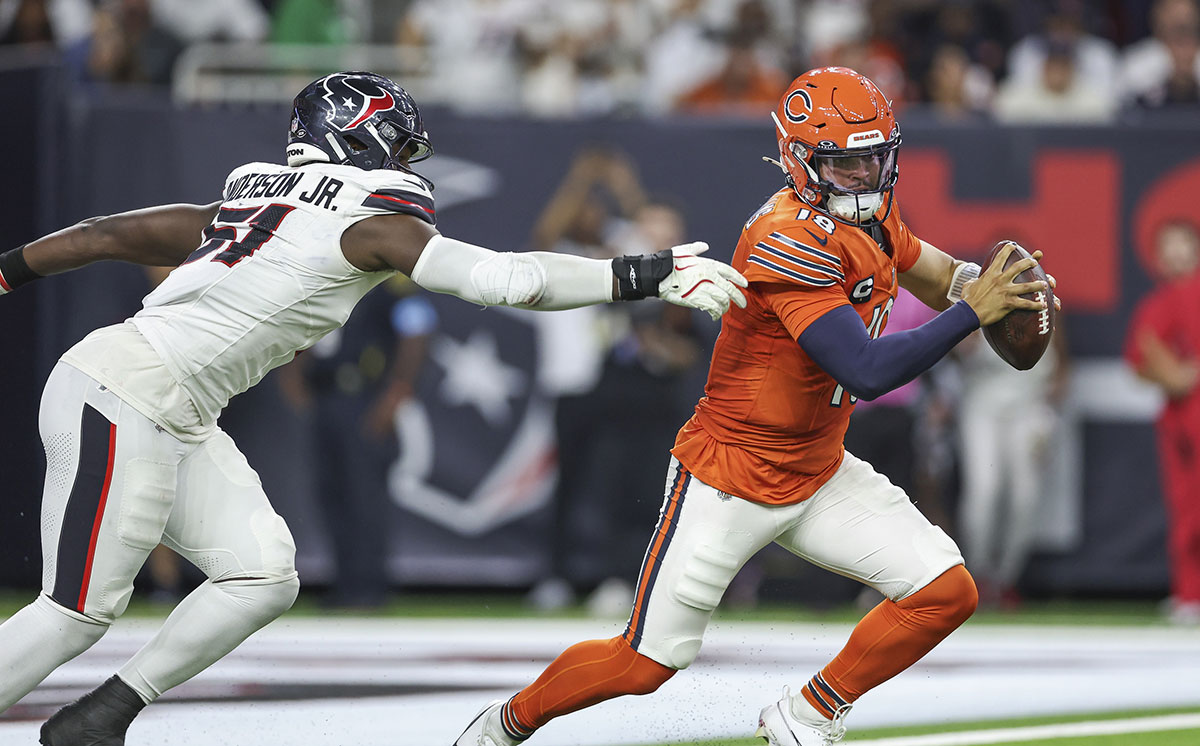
{"x": 771, "y": 424}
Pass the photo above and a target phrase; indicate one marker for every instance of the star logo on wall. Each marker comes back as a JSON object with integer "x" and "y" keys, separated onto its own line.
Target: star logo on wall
{"x": 477, "y": 377}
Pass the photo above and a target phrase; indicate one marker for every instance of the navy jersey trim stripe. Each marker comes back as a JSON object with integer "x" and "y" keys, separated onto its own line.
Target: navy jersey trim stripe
{"x": 814, "y": 281}
{"x": 779, "y": 253}
{"x": 787, "y": 241}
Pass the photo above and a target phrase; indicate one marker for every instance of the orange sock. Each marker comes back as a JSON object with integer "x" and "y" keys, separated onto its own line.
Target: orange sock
{"x": 892, "y": 637}
{"x": 584, "y": 675}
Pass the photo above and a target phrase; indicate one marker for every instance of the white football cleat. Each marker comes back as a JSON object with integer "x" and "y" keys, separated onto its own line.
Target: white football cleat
{"x": 779, "y": 727}
{"x": 486, "y": 730}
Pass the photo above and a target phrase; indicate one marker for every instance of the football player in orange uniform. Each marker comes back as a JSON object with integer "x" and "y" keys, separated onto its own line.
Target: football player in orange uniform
{"x": 762, "y": 459}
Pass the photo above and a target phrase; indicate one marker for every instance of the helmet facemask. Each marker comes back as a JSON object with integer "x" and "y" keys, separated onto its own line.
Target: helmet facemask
{"x": 854, "y": 183}
{"x": 401, "y": 147}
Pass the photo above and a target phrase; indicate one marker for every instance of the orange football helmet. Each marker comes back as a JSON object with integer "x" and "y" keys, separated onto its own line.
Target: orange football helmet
{"x": 838, "y": 141}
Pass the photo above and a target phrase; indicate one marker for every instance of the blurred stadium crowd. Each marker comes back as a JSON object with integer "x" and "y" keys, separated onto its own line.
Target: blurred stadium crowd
{"x": 1016, "y": 60}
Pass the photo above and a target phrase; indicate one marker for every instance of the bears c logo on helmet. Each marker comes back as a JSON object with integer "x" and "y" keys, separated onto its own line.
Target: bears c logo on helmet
{"x": 789, "y": 108}
{"x": 361, "y": 97}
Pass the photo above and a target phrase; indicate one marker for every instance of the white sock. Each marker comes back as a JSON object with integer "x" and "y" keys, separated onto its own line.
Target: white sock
{"x": 38, "y": 639}
{"x": 806, "y": 713}
{"x": 213, "y": 620}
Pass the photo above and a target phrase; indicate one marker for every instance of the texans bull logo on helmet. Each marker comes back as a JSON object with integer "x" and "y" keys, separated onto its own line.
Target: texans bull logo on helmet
{"x": 357, "y": 98}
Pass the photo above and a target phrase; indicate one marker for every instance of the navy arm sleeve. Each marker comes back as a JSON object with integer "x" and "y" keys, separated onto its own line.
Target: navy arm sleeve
{"x": 867, "y": 368}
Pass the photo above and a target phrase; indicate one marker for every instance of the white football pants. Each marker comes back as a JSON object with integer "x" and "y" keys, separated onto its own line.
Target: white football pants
{"x": 858, "y": 524}
{"x": 116, "y": 486}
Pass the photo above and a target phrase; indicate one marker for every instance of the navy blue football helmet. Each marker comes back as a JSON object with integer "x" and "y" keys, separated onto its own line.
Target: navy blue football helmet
{"x": 356, "y": 119}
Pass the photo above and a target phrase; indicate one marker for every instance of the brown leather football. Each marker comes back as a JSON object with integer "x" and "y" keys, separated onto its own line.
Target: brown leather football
{"x": 1021, "y": 337}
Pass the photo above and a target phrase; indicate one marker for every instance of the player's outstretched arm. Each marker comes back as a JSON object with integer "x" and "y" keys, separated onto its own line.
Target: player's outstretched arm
{"x": 538, "y": 280}
{"x": 155, "y": 236}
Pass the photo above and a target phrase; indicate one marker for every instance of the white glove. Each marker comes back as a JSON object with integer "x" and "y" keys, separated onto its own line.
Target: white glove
{"x": 702, "y": 283}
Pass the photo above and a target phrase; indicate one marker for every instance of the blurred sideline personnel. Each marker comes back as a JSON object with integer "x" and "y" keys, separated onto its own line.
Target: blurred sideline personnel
{"x": 129, "y": 415}
{"x": 1163, "y": 346}
{"x": 348, "y": 387}
{"x": 762, "y": 459}
{"x": 1006, "y": 426}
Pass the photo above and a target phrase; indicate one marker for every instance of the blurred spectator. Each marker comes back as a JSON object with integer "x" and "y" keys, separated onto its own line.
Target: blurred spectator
{"x": 956, "y": 89}
{"x": 550, "y": 78}
{"x": 30, "y": 24}
{"x": 743, "y": 86}
{"x": 766, "y": 26}
{"x": 352, "y": 382}
{"x": 828, "y": 24}
{"x": 62, "y": 22}
{"x": 1064, "y": 31}
{"x": 1060, "y": 95}
{"x": 127, "y": 47}
{"x": 981, "y": 28}
{"x": 471, "y": 49}
{"x": 1006, "y": 423}
{"x": 600, "y": 189}
{"x": 582, "y": 58}
{"x": 308, "y": 22}
{"x": 684, "y": 54}
{"x": 1164, "y": 71}
{"x": 213, "y": 20}
{"x": 875, "y": 60}
{"x": 1163, "y": 347}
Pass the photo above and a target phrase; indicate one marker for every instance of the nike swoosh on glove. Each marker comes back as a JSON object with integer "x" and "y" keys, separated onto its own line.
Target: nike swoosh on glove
{"x": 702, "y": 283}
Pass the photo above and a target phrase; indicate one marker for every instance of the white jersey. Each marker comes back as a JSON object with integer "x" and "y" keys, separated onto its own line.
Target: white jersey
{"x": 269, "y": 277}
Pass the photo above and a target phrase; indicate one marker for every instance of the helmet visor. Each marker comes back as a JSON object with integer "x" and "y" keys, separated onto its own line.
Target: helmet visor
{"x": 856, "y": 171}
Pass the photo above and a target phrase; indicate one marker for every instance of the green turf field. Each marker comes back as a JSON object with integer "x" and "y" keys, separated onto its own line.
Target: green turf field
{"x": 1185, "y": 737}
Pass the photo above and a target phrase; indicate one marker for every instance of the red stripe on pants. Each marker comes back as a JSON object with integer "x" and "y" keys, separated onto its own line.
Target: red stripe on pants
{"x": 91, "y": 555}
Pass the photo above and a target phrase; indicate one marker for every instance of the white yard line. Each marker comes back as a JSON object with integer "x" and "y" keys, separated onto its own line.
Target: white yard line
{"x": 1035, "y": 732}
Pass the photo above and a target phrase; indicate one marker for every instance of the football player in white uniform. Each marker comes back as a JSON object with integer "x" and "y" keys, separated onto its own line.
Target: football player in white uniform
{"x": 129, "y": 414}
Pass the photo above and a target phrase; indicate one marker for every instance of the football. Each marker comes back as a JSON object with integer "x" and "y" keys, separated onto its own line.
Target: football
{"x": 1021, "y": 337}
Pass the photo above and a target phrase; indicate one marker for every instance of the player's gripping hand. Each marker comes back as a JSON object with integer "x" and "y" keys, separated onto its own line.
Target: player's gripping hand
{"x": 705, "y": 284}
{"x": 993, "y": 295}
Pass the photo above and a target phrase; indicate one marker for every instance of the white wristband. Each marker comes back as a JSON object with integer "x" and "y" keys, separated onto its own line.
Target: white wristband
{"x": 963, "y": 273}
